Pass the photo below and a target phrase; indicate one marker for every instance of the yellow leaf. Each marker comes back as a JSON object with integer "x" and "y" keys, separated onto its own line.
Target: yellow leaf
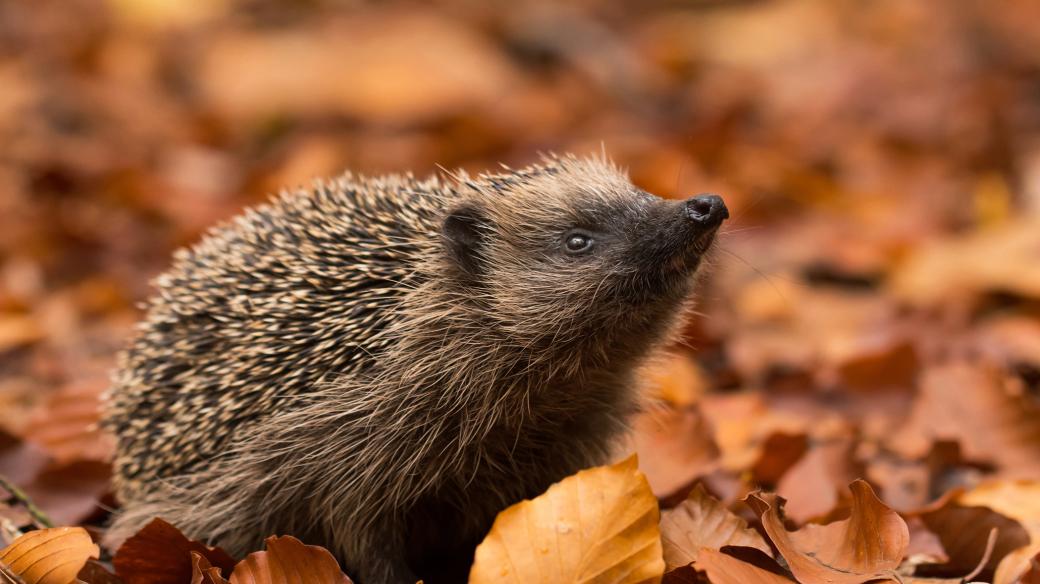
{"x": 597, "y": 526}
{"x": 49, "y": 556}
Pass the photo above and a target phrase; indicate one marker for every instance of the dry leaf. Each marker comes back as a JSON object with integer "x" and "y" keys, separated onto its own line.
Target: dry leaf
{"x": 868, "y": 545}
{"x": 677, "y": 380}
{"x": 66, "y": 424}
{"x": 599, "y": 525}
{"x": 287, "y": 560}
{"x": 94, "y": 573}
{"x": 70, "y": 493}
{"x": 810, "y": 487}
{"x": 675, "y": 447}
{"x": 725, "y": 569}
{"x": 1005, "y": 422}
{"x": 1019, "y": 500}
{"x": 1003, "y": 259}
{"x": 49, "y": 556}
{"x": 392, "y": 60}
{"x": 702, "y": 522}
{"x": 202, "y": 572}
{"x": 965, "y": 533}
{"x": 161, "y": 554}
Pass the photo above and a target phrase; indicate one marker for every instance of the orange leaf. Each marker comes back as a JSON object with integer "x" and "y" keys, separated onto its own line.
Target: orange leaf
{"x": 675, "y": 447}
{"x": 49, "y": 556}
{"x": 599, "y": 525}
{"x": 868, "y": 545}
{"x": 289, "y": 561}
{"x": 702, "y": 522}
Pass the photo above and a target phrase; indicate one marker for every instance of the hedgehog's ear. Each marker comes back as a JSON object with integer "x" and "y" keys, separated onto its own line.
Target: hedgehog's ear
{"x": 466, "y": 230}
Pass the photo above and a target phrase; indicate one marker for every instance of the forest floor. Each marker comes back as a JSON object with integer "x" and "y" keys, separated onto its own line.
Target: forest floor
{"x": 867, "y": 345}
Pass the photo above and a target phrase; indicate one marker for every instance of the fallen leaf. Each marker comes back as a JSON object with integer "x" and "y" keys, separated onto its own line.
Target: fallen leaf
{"x": 1005, "y": 421}
{"x": 49, "y": 556}
{"x": 1019, "y": 500}
{"x": 392, "y": 60}
{"x": 925, "y": 546}
{"x": 1003, "y": 259}
{"x": 965, "y": 532}
{"x": 677, "y": 380}
{"x": 18, "y": 330}
{"x": 94, "y": 573}
{"x": 869, "y": 545}
{"x": 675, "y": 447}
{"x": 810, "y": 487}
{"x": 599, "y": 525}
{"x": 780, "y": 451}
{"x": 725, "y": 569}
{"x": 202, "y": 572}
{"x": 702, "y": 522}
{"x": 70, "y": 493}
{"x": 288, "y": 561}
{"x": 160, "y": 554}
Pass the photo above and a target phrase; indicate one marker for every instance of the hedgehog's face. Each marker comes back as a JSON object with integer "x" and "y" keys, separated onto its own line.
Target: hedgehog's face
{"x": 575, "y": 249}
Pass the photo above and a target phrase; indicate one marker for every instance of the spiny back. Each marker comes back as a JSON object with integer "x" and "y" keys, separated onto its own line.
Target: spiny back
{"x": 266, "y": 308}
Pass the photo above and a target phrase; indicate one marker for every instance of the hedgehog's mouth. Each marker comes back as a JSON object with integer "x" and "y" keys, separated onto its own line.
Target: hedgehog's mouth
{"x": 689, "y": 259}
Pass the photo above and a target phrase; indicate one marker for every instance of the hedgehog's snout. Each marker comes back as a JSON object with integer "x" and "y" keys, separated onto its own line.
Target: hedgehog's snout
{"x": 707, "y": 211}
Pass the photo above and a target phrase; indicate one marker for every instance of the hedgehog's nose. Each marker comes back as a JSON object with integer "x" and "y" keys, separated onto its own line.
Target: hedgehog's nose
{"x": 707, "y": 210}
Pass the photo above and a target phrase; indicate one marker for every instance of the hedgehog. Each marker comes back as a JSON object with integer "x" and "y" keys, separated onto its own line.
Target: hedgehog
{"x": 381, "y": 365}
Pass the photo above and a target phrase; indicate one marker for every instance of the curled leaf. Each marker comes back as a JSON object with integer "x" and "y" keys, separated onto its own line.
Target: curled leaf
{"x": 599, "y": 525}
{"x": 49, "y": 556}
{"x": 868, "y": 545}
{"x": 202, "y": 572}
{"x": 288, "y": 560}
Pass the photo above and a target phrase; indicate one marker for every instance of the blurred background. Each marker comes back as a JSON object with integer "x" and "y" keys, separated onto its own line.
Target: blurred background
{"x": 881, "y": 160}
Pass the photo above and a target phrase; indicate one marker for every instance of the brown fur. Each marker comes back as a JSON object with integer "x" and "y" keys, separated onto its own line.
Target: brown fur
{"x": 381, "y": 365}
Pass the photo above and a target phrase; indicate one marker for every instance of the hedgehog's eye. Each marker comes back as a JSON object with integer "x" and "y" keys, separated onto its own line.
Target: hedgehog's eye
{"x": 577, "y": 242}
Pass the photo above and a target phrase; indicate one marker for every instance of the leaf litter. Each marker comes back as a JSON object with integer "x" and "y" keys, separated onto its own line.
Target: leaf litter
{"x": 857, "y": 395}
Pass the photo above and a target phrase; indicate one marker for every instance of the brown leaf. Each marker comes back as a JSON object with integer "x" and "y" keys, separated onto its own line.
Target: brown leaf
{"x": 965, "y": 531}
{"x": 924, "y": 545}
{"x": 392, "y": 60}
{"x": 202, "y": 572}
{"x": 810, "y": 487}
{"x": 288, "y": 561}
{"x": 677, "y": 380}
{"x": 702, "y": 522}
{"x": 94, "y": 573}
{"x": 1019, "y": 500}
{"x": 160, "y": 554}
{"x": 780, "y": 452}
{"x": 66, "y": 424}
{"x": 49, "y": 556}
{"x": 17, "y": 330}
{"x": 992, "y": 260}
{"x": 599, "y": 525}
{"x": 675, "y": 447}
{"x": 70, "y": 493}
{"x": 1005, "y": 423}
{"x": 868, "y": 545}
{"x": 725, "y": 569}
